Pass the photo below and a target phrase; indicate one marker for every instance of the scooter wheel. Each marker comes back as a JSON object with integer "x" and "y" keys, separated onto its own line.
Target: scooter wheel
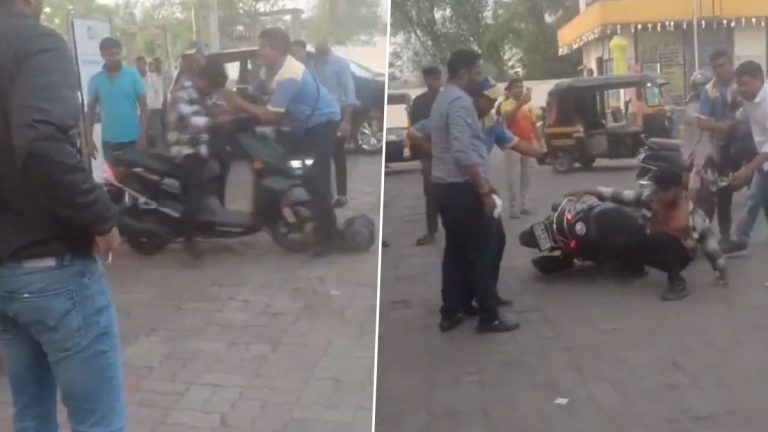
{"x": 294, "y": 237}
{"x": 146, "y": 246}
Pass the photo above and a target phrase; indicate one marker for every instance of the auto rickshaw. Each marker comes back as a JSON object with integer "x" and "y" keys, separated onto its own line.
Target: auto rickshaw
{"x": 582, "y": 125}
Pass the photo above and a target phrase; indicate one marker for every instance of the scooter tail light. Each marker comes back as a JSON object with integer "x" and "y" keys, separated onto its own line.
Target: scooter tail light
{"x": 573, "y": 244}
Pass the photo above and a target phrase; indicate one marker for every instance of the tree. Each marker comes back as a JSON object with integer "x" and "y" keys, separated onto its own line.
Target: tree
{"x": 509, "y": 33}
{"x": 346, "y": 21}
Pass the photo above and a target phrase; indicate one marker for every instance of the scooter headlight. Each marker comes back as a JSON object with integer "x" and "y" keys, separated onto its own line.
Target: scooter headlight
{"x": 296, "y": 164}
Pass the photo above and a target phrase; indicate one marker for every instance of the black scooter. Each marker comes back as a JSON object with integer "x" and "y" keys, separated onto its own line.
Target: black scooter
{"x": 583, "y": 230}
{"x": 147, "y": 189}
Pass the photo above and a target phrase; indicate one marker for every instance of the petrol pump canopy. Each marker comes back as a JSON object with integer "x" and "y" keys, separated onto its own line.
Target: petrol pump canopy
{"x": 610, "y": 17}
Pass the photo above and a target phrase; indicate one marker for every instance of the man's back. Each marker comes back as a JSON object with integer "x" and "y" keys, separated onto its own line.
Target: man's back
{"x": 49, "y": 204}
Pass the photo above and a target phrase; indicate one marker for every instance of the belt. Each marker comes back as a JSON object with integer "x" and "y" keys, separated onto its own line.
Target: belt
{"x": 40, "y": 262}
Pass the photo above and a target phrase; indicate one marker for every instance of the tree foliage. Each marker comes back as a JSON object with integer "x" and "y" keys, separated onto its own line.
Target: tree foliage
{"x": 510, "y": 34}
{"x": 346, "y": 21}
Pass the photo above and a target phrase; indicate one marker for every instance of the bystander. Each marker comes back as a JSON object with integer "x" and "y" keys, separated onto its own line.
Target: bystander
{"x": 58, "y": 326}
{"x": 119, "y": 95}
{"x": 153, "y": 85}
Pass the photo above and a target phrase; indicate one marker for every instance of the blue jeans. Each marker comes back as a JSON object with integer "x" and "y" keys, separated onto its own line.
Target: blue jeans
{"x": 58, "y": 329}
{"x": 757, "y": 200}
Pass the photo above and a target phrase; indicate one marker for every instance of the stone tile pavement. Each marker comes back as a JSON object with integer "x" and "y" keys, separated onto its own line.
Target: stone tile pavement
{"x": 625, "y": 361}
{"x": 253, "y": 339}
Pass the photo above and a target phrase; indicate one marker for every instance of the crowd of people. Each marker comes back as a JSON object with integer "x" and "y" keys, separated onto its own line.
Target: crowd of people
{"x": 143, "y": 109}
{"x": 457, "y": 123}
{"x": 58, "y": 225}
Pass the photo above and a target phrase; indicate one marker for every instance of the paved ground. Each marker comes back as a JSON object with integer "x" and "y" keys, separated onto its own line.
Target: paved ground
{"x": 254, "y": 339}
{"x": 625, "y": 361}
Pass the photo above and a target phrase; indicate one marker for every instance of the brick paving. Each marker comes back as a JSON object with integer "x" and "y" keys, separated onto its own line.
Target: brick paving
{"x": 625, "y": 361}
{"x": 253, "y": 339}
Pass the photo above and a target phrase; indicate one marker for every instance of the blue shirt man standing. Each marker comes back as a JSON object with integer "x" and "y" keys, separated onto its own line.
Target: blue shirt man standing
{"x": 118, "y": 93}
{"x": 335, "y": 74}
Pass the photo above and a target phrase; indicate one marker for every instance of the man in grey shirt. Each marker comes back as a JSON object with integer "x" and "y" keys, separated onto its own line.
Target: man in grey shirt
{"x": 460, "y": 169}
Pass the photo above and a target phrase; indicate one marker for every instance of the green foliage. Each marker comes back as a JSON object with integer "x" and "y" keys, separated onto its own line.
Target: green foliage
{"x": 344, "y": 21}
{"x": 510, "y": 34}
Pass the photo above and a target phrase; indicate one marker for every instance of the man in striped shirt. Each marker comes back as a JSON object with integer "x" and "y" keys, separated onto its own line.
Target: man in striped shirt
{"x": 676, "y": 228}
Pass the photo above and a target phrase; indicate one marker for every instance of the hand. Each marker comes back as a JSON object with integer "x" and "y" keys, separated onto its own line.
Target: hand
{"x": 142, "y": 145}
{"x": 345, "y": 129}
{"x": 232, "y": 99}
{"x": 489, "y": 204}
{"x": 105, "y": 244}
{"x": 740, "y": 179}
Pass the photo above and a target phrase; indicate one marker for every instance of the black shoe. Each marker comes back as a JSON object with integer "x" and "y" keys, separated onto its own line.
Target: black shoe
{"x": 385, "y": 244}
{"x": 450, "y": 322}
{"x": 340, "y": 202}
{"x": 427, "y": 239}
{"x": 502, "y": 302}
{"x": 193, "y": 249}
{"x": 676, "y": 290}
{"x": 734, "y": 248}
{"x": 470, "y": 311}
{"x": 497, "y": 326}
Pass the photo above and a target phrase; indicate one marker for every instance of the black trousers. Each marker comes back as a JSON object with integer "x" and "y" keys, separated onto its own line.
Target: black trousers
{"x": 724, "y": 196}
{"x": 320, "y": 141}
{"x": 430, "y": 196}
{"x": 622, "y": 237}
{"x": 194, "y": 191}
{"x": 665, "y": 252}
{"x": 471, "y": 258}
{"x": 340, "y": 165}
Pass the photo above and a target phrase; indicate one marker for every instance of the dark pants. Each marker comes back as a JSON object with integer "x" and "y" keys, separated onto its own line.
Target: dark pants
{"x": 157, "y": 131}
{"x": 112, "y": 149}
{"x": 666, "y": 253}
{"x": 194, "y": 190}
{"x": 724, "y": 196}
{"x": 430, "y": 197}
{"x": 319, "y": 141}
{"x": 340, "y": 165}
{"x": 471, "y": 252}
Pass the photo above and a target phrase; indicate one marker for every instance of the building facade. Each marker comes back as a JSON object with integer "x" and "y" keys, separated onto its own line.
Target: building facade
{"x": 661, "y": 35}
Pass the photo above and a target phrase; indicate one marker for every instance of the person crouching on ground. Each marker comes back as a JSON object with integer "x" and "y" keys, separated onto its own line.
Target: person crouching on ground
{"x": 189, "y": 142}
{"x": 676, "y": 227}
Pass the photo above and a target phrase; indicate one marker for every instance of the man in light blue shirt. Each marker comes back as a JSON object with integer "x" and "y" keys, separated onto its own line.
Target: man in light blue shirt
{"x": 297, "y": 96}
{"x": 118, "y": 92}
{"x": 335, "y": 74}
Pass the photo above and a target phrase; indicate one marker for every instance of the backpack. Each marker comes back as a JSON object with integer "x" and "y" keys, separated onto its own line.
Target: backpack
{"x": 358, "y": 234}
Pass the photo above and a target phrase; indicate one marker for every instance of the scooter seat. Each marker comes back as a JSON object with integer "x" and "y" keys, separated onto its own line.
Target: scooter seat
{"x": 665, "y": 144}
{"x": 157, "y": 163}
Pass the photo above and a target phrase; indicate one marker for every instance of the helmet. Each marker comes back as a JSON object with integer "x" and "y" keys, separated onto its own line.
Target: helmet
{"x": 700, "y": 78}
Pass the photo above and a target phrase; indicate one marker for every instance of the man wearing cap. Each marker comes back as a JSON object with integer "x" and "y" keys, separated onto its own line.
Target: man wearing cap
{"x": 335, "y": 74}
{"x": 296, "y": 97}
{"x": 119, "y": 94}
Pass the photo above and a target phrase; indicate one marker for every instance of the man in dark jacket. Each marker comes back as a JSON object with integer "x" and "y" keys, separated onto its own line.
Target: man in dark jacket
{"x": 58, "y": 328}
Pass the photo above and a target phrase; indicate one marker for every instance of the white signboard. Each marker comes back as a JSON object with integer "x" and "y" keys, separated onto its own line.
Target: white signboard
{"x": 87, "y": 34}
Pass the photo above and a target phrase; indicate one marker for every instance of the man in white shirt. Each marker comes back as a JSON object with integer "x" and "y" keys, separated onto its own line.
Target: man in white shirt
{"x": 153, "y": 84}
{"x": 751, "y": 81}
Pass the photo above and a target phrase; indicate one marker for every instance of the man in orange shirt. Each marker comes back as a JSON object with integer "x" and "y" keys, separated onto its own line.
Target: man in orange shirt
{"x": 520, "y": 117}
